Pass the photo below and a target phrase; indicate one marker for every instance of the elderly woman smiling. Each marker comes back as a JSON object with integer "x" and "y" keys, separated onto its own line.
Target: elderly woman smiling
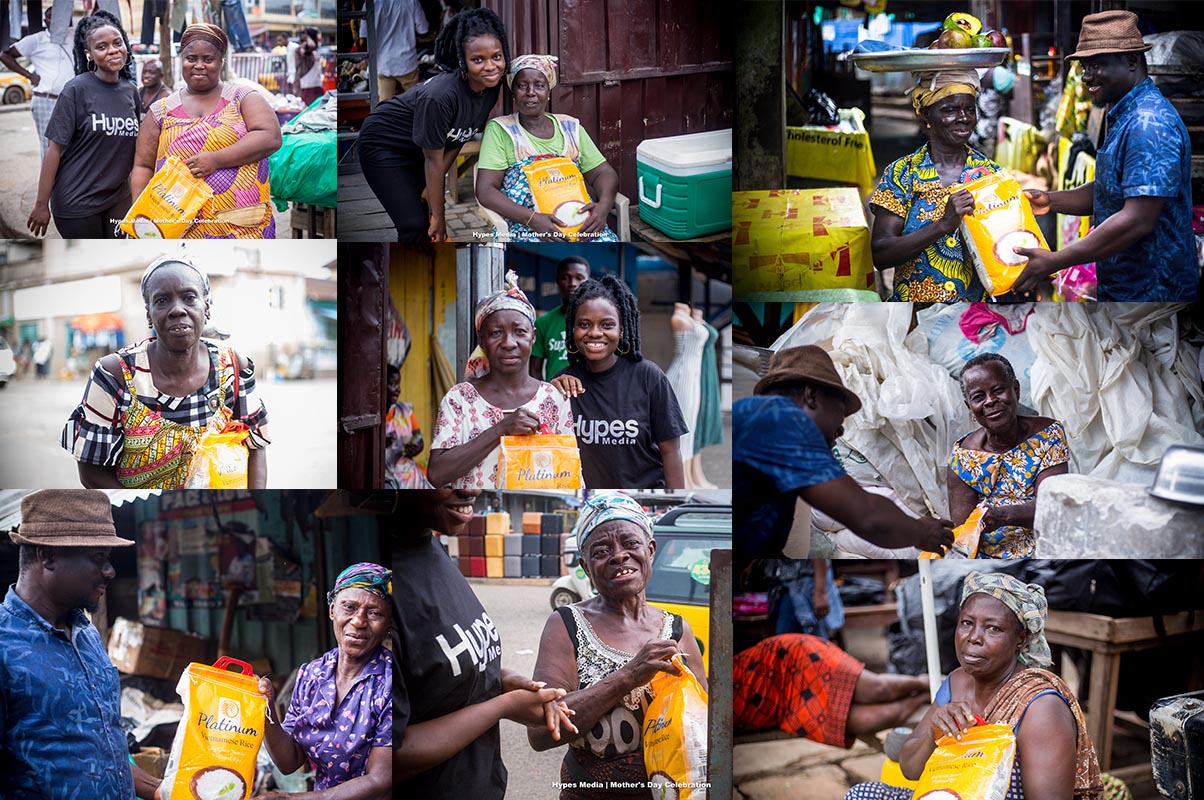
{"x": 341, "y": 715}
{"x": 497, "y": 398}
{"x": 1000, "y": 644}
{"x": 606, "y": 649}
{"x": 147, "y": 406}
{"x": 1003, "y": 463}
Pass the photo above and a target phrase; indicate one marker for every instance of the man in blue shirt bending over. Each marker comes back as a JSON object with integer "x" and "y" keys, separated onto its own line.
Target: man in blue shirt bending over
{"x": 782, "y": 450}
{"x": 60, "y": 705}
{"x": 1143, "y": 246}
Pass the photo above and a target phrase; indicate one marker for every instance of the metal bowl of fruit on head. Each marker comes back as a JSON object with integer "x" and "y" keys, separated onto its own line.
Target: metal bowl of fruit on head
{"x": 962, "y": 44}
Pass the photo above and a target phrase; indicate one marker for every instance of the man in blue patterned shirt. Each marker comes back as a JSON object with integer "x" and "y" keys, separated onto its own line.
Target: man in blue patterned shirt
{"x": 1142, "y": 245}
{"x": 60, "y": 735}
{"x": 782, "y": 450}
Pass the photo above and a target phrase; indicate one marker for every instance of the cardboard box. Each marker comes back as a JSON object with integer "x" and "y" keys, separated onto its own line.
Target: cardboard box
{"x": 497, "y": 522}
{"x": 495, "y": 545}
{"x": 532, "y": 522}
{"x": 138, "y": 649}
{"x": 152, "y": 760}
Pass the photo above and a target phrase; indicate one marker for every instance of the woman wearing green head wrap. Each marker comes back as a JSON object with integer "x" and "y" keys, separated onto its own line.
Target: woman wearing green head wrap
{"x": 606, "y": 649}
{"x": 1003, "y": 678}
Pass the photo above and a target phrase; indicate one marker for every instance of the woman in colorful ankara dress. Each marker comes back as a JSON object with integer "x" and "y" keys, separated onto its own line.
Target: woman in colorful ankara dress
{"x": 1003, "y": 463}
{"x": 147, "y": 406}
{"x": 223, "y": 132}
{"x": 915, "y": 217}
{"x": 340, "y": 719}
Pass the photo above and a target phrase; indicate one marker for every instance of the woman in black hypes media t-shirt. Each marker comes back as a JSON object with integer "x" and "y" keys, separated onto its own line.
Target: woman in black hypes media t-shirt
{"x": 408, "y": 142}
{"x": 92, "y": 135}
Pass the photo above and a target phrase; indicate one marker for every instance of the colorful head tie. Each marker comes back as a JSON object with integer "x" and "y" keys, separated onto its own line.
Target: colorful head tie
{"x": 509, "y": 299}
{"x": 1026, "y": 601}
{"x": 544, "y": 64}
{"x": 602, "y": 507}
{"x": 365, "y": 575}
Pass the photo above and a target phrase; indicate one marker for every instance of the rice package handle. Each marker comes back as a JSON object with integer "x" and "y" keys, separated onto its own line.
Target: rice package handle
{"x": 965, "y": 537}
{"x": 169, "y": 204}
{"x": 979, "y": 767}
{"x": 1001, "y": 220}
{"x": 213, "y": 754}
{"x": 558, "y": 188}
{"x": 675, "y": 736}
{"x": 541, "y": 461}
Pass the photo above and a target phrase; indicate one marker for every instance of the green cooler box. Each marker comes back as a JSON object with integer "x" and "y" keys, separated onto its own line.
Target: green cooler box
{"x": 685, "y": 183}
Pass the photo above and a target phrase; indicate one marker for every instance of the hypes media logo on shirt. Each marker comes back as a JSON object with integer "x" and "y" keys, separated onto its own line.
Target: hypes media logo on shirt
{"x": 481, "y": 643}
{"x": 114, "y": 126}
{"x": 602, "y": 431}
{"x": 458, "y": 135}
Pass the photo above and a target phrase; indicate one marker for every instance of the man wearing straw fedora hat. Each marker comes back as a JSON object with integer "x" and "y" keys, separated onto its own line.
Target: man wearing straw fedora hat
{"x": 60, "y": 704}
{"x": 782, "y": 450}
{"x": 1142, "y": 245}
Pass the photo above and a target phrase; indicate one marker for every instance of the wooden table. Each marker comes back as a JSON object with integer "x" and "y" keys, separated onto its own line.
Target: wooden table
{"x": 1106, "y": 638}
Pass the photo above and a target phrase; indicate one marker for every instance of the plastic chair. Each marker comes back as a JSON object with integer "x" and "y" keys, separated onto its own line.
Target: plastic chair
{"x": 621, "y": 212}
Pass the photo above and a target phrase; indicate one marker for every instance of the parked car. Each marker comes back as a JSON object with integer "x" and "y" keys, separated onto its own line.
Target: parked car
{"x": 681, "y": 574}
{"x": 14, "y": 88}
{"x": 8, "y": 364}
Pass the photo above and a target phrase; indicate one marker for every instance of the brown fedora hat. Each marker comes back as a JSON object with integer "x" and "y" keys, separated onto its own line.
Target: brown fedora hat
{"x": 810, "y": 364}
{"x": 1109, "y": 32}
{"x": 68, "y": 518}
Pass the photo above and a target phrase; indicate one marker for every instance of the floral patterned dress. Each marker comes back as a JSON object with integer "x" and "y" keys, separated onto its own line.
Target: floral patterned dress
{"x": 464, "y": 415}
{"x": 1008, "y": 479}
{"x": 911, "y": 188}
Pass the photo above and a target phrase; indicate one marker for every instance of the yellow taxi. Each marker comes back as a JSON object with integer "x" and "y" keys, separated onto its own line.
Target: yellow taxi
{"x": 14, "y": 88}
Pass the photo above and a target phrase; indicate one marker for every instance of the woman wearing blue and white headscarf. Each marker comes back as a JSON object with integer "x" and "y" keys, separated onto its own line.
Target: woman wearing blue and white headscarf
{"x": 497, "y": 398}
{"x": 606, "y": 649}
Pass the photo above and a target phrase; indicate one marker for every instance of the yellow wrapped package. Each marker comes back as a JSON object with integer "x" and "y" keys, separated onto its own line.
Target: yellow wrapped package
{"x": 541, "y": 461}
{"x": 168, "y": 205}
{"x": 220, "y": 461}
{"x": 558, "y": 188}
{"x": 675, "y": 736}
{"x": 1001, "y": 220}
{"x": 965, "y": 537}
{"x": 979, "y": 767}
{"x": 213, "y": 755}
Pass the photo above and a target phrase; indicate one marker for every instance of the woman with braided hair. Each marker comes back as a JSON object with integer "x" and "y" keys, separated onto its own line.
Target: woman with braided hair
{"x": 223, "y": 132}
{"x": 628, "y": 419}
{"x": 408, "y": 142}
{"x": 85, "y": 174}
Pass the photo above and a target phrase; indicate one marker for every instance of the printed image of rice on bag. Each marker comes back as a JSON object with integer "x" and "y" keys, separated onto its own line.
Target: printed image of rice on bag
{"x": 1002, "y": 220}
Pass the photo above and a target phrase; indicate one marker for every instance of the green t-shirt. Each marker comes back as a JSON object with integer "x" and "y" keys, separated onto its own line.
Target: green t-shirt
{"x": 549, "y": 342}
{"x": 497, "y": 148}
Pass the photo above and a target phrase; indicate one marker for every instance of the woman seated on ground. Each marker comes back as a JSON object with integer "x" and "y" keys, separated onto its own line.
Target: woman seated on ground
{"x": 340, "y": 718}
{"x": 528, "y": 135}
{"x": 606, "y": 650}
{"x": 497, "y": 398}
{"x": 915, "y": 217}
{"x": 811, "y": 688}
{"x": 1003, "y": 463}
{"x": 1000, "y": 644}
{"x": 147, "y": 406}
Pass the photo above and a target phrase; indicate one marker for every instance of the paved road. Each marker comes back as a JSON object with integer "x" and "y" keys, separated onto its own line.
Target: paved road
{"x": 520, "y": 613}
{"x": 301, "y": 420}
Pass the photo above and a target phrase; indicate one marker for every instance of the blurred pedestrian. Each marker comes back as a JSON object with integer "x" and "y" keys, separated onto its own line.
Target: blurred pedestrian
{"x": 52, "y": 68}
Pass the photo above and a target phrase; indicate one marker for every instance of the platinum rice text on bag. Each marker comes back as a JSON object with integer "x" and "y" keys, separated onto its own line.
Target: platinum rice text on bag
{"x": 675, "y": 736}
{"x": 213, "y": 754}
{"x": 1002, "y": 219}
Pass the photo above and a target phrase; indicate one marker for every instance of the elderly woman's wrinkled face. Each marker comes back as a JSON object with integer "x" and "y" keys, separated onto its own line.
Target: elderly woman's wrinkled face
{"x": 506, "y": 337}
{"x": 952, "y": 119}
{"x": 201, "y": 65}
{"x": 176, "y": 305}
{"x": 152, "y": 74}
{"x": 361, "y": 621}
{"x": 618, "y": 558}
{"x": 530, "y": 87}
{"x": 988, "y": 637}
{"x": 993, "y": 400}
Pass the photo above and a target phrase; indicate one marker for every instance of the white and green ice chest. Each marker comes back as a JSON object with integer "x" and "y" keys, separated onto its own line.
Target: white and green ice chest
{"x": 685, "y": 183}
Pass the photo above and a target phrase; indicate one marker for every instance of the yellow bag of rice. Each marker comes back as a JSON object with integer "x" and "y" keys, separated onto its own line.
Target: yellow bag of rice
{"x": 1001, "y": 220}
{"x": 675, "y": 736}
{"x": 168, "y": 205}
{"x": 965, "y": 537}
{"x": 213, "y": 754}
{"x": 976, "y": 767}
{"x": 558, "y": 188}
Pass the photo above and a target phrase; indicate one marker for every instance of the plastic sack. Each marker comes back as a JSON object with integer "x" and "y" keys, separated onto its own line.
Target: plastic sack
{"x": 675, "y": 736}
{"x": 1075, "y": 284}
{"x": 216, "y": 745}
{"x": 541, "y": 461}
{"x": 304, "y": 170}
{"x": 558, "y": 188}
{"x": 965, "y": 537}
{"x": 978, "y": 767}
{"x": 220, "y": 461}
{"x": 1002, "y": 219}
{"x": 168, "y": 205}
